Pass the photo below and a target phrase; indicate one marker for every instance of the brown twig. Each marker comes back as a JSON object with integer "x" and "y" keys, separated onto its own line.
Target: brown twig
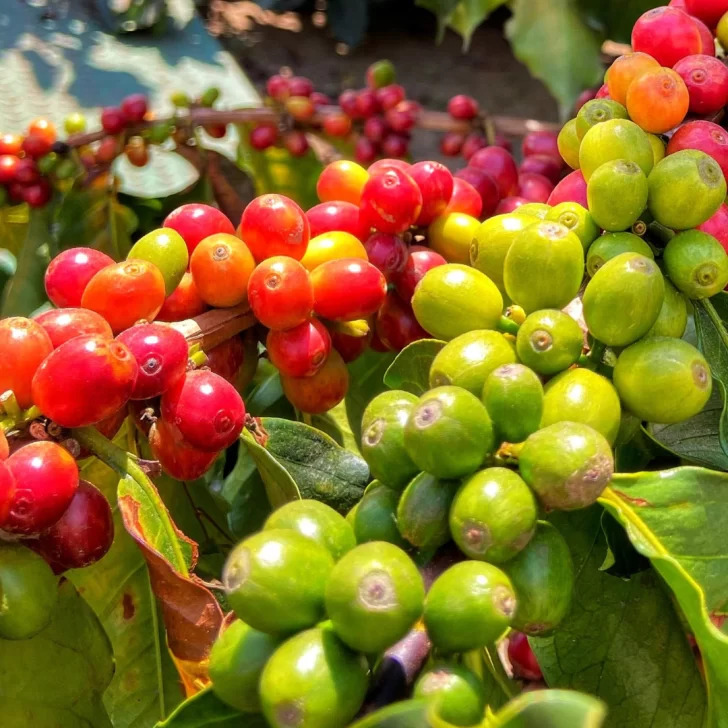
{"x": 216, "y": 326}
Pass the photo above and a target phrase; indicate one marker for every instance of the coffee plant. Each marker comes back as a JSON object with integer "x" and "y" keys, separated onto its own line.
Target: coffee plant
{"x": 388, "y": 445}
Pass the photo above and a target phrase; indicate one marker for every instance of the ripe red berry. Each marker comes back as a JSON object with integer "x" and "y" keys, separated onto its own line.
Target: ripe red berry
{"x": 523, "y": 661}
{"x": 183, "y": 303}
{"x": 500, "y": 165}
{"x": 484, "y": 185}
{"x": 195, "y": 222}
{"x": 107, "y": 151}
{"x": 386, "y": 252}
{"x": 69, "y": 273}
{"x": 46, "y": 478}
{"x": 137, "y": 152}
{"x": 465, "y": 198}
{"x": 64, "y": 324}
{"x": 336, "y": 124}
{"x": 36, "y": 146}
{"x": 44, "y": 128}
{"x": 84, "y": 381}
{"x": 301, "y": 108}
{"x": 389, "y": 96}
{"x": 534, "y": 187}
{"x": 603, "y": 92}
{"x": 375, "y": 129}
{"x": 707, "y": 81}
{"x": 473, "y": 142}
{"x": 420, "y": 260}
{"x": 391, "y": 201}
{"x": 706, "y": 137}
{"x": 542, "y": 164}
{"x": 509, "y": 204}
{"x": 366, "y": 103}
{"x": 300, "y": 351}
{"x": 347, "y": 289}
{"x": 113, "y": 120}
{"x": 7, "y": 487}
{"x": 26, "y": 172}
{"x": 161, "y": 353}
{"x": 350, "y": 347}
{"x": 134, "y": 107}
{"x": 84, "y": 533}
{"x": 436, "y": 184}
{"x": 274, "y": 225}
{"x": 707, "y": 42}
{"x": 263, "y": 136}
{"x": 207, "y": 410}
{"x": 4, "y": 451}
{"x": 300, "y": 86}
{"x": 451, "y": 143}
{"x": 540, "y": 142}
{"x": 177, "y": 457}
{"x": 330, "y": 216}
{"x": 320, "y": 99}
{"x": 401, "y": 118}
{"x": 124, "y": 293}
{"x": 463, "y": 107}
{"x": 382, "y": 165}
{"x": 716, "y": 225}
{"x": 365, "y": 150}
{"x": 277, "y": 87}
{"x": 11, "y": 144}
{"x": 24, "y": 346}
{"x": 322, "y": 391}
{"x": 571, "y": 189}
{"x": 280, "y": 293}
{"x": 8, "y": 168}
{"x": 395, "y": 145}
{"x": 347, "y": 102}
{"x": 38, "y": 194}
{"x": 397, "y": 326}
{"x": 226, "y": 359}
{"x": 709, "y": 11}
{"x": 667, "y": 34}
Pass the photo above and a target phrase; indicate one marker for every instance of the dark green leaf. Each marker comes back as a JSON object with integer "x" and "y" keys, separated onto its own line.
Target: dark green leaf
{"x": 411, "y": 368}
{"x": 550, "y": 709}
{"x": 267, "y": 390}
{"x": 335, "y": 424}
{"x": 469, "y": 14}
{"x": 366, "y": 381}
{"x": 616, "y": 17}
{"x": 206, "y": 709}
{"x": 25, "y": 291}
{"x": 622, "y": 559}
{"x": 442, "y": 9}
{"x": 551, "y": 39}
{"x": 407, "y": 714}
{"x": 279, "y": 485}
{"x": 322, "y": 469}
{"x": 487, "y": 665}
{"x": 699, "y": 438}
{"x": 57, "y": 678}
{"x": 604, "y": 648}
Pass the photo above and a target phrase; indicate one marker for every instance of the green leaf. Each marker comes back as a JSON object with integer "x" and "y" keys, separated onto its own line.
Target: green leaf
{"x": 407, "y": 714}
{"x": 58, "y": 677}
{"x": 442, "y": 9}
{"x": 604, "y": 647}
{"x": 550, "y": 709}
{"x": 411, "y": 368}
{"x": 321, "y": 469}
{"x": 366, "y": 381}
{"x": 206, "y": 709}
{"x": 551, "y": 39}
{"x": 280, "y": 487}
{"x": 676, "y": 519}
{"x": 616, "y": 17}
{"x": 267, "y": 390}
{"x": 699, "y": 438}
{"x": 335, "y": 424}
{"x": 146, "y": 684}
{"x": 469, "y": 14}
{"x": 487, "y": 665}
{"x": 25, "y": 291}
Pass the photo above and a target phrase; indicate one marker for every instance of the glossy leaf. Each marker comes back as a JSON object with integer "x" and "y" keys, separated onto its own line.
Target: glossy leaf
{"x": 206, "y": 709}
{"x": 58, "y": 677}
{"x": 613, "y": 642}
{"x": 550, "y": 709}
{"x": 469, "y": 14}
{"x": 411, "y": 368}
{"x": 407, "y": 714}
{"x": 558, "y": 48}
{"x": 442, "y": 10}
{"x": 675, "y": 518}
{"x": 335, "y": 424}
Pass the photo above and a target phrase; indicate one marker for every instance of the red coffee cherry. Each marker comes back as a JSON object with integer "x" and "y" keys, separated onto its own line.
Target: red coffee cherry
{"x": 523, "y": 661}
{"x": 125, "y": 293}
{"x": 274, "y": 225}
{"x": 465, "y": 198}
{"x": 113, "y": 120}
{"x": 63, "y": 324}
{"x": 300, "y": 351}
{"x": 4, "y": 447}
{"x": 134, "y": 107}
{"x": 500, "y": 165}
{"x": 195, "y": 222}
{"x": 46, "y": 478}
{"x": 8, "y": 168}
{"x": 183, "y": 303}
{"x": 396, "y": 325}
{"x": 82, "y": 536}
{"x": 386, "y": 252}
{"x": 330, "y": 216}
{"x": 161, "y": 353}
{"x": 280, "y": 293}
{"x": 226, "y": 359}
{"x": 84, "y": 381}
{"x": 347, "y": 289}
{"x": 263, "y": 136}
{"x": 7, "y": 486}
{"x": 322, "y": 391}
{"x": 24, "y": 345}
{"x": 391, "y": 201}
{"x": 350, "y": 347}
{"x": 69, "y": 273}
{"x": 420, "y": 260}
{"x": 277, "y": 87}
{"x": 207, "y": 410}
{"x": 463, "y": 107}
{"x": 436, "y": 184}
{"x": 177, "y": 457}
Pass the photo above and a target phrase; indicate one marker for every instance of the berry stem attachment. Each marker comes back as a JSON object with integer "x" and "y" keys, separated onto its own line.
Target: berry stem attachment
{"x": 508, "y": 326}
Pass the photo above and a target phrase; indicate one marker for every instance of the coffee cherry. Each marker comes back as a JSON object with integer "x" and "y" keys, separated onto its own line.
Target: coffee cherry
{"x": 341, "y": 181}
{"x": 485, "y": 185}
{"x": 137, "y": 152}
{"x": 420, "y": 260}
{"x": 39, "y": 194}
{"x": 46, "y": 477}
{"x": 221, "y": 266}
{"x": 365, "y": 150}
{"x": 26, "y": 172}
{"x": 386, "y": 252}
{"x": 320, "y": 99}
{"x": 396, "y": 324}
{"x": 300, "y": 86}
{"x": 177, "y": 457}
{"x": 465, "y": 198}
{"x": 64, "y": 324}
{"x": 296, "y": 143}
{"x": 336, "y": 216}
{"x": 380, "y": 74}
{"x": 300, "y": 351}
{"x": 389, "y": 96}
{"x": 113, "y": 120}
{"x": 534, "y": 187}
{"x": 277, "y": 87}
{"x": 667, "y": 34}
{"x": 523, "y": 661}
{"x": 401, "y": 118}
{"x": 544, "y": 165}
{"x": 134, "y": 107}
{"x": 226, "y": 359}
{"x": 375, "y": 129}
{"x": 161, "y": 353}
{"x": 300, "y": 108}
{"x": 336, "y": 124}
{"x": 11, "y": 144}
{"x": 8, "y": 168}
{"x": 347, "y": 290}
{"x": 451, "y": 143}
{"x": 347, "y": 102}
{"x": 350, "y": 347}
{"x": 322, "y": 391}
{"x": 540, "y": 142}
{"x": 207, "y": 410}
{"x": 4, "y": 451}
{"x": 84, "y": 381}
{"x": 382, "y": 165}
{"x": 463, "y": 107}
{"x": 183, "y": 303}
{"x": 366, "y": 103}
{"x": 395, "y": 145}
{"x": 263, "y": 136}
{"x": 124, "y": 293}
{"x": 24, "y": 345}
{"x": 274, "y": 225}
{"x": 280, "y": 293}
{"x": 36, "y": 146}
{"x": 332, "y": 246}
{"x": 391, "y": 201}
{"x": 500, "y": 165}
{"x": 84, "y": 533}
{"x": 195, "y": 222}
